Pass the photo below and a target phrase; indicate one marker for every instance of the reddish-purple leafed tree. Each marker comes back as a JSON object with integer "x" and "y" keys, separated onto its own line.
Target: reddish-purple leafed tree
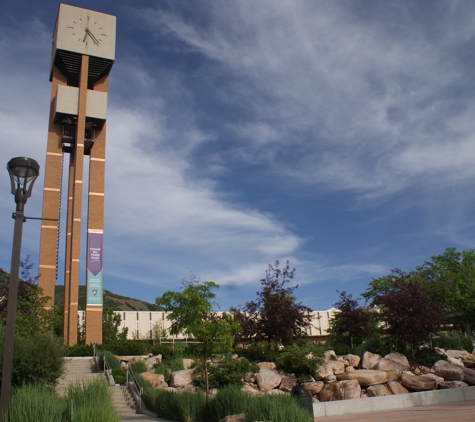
{"x": 410, "y": 312}
{"x": 274, "y": 316}
{"x": 352, "y": 321}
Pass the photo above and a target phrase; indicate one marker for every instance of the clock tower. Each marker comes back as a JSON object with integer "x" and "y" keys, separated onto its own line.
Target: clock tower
{"x": 82, "y": 57}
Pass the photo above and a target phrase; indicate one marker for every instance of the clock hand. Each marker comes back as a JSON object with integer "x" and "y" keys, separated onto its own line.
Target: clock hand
{"x": 94, "y": 39}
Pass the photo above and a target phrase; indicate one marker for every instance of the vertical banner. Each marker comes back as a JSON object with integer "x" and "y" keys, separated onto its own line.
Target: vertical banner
{"x": 94, "y": 268}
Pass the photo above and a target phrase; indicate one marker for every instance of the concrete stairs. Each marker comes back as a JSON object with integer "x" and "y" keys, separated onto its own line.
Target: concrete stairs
{"x": 124, "y": 403}
{"x": 77, "y": 371}
{"x": 83, "y": 370}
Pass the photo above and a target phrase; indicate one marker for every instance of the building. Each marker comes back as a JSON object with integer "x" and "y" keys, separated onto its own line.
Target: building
{"x": 154, "y": 324}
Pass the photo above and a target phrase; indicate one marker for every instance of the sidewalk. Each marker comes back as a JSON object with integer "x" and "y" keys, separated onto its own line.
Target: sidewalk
{"x": 456, "y": 412}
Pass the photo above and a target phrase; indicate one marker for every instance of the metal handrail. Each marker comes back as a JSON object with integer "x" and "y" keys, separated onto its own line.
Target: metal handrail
{"x": 105, "y": 364}
{"x": 95, "y": 356}
{"x": 137, "y": 385}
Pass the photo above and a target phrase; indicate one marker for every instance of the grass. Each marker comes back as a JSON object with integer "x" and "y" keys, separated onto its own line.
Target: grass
{"x": 190, "y": 407}
{"x": 91, "y": 402}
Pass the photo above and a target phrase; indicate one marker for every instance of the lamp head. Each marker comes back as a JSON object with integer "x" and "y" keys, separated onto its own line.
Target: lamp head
{"x": 23, "y": 173}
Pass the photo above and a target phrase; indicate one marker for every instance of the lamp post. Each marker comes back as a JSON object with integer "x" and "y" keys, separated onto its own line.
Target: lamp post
{"x": 23, "y": 173}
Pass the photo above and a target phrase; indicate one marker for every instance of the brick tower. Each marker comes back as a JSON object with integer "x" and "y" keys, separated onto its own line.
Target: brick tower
{"x": 82, "y": 57}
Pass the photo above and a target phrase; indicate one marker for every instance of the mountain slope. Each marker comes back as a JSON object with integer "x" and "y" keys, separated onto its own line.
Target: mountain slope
{"x": 111, "y": 300}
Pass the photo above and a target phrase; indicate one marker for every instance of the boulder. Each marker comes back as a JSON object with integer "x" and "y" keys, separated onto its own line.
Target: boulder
{"x": 266, "y": 365}
{"x": 447, "y": 371}
{"x": 337, "y": 366}
{"x": 331, "y": 378}
{"x": 249, "y": 377}
{"x": 250, "y": 390}
{"x": 417, "y": 382}
{"x": 378, "y": 391}
{"x": 396, "y": 387}
{"x": 387, "y": 365}
{"x": 469, "y": 361}
{"x": 458, "y": 354}
{"x": 329, "y": 355}
{"x": 275, "y": 392}
{"x": 323, "y": 371}
{"x": 268, "y": 379}
{"x": 313, "y": 388}
{"x": 453, "y": 384}
{"x": 181, "y": 378}
{"x": 152, "y": 360}
{"x": 353, "y": 360}
{"x": 234, "y": 418}
{"x": 468, "y": 376}
{"x": 370, "y": 360}
{"x": 330, "y": 392}
{"x": 367, "y": 377}
{"x": 401, "y": 362}
{"x": 187, "y": 363}
{"x": 349, "y": 389}
{"x": 438, "y": 380}
{"x": 455, "y": 361}
{"x": 156, "y": 380}
{"x": 288, "y": 382}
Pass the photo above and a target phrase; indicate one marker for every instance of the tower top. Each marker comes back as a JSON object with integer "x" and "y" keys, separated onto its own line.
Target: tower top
{"x": 84, "y": 31}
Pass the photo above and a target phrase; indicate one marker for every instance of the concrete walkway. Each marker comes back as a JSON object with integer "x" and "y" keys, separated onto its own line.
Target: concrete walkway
{"x": 455, "y": 412}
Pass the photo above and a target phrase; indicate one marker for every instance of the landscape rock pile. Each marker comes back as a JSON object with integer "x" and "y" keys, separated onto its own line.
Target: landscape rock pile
{"x": 346, "y": 377}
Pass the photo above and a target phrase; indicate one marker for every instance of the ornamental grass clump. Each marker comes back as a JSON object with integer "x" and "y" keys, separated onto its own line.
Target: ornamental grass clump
{"x": 190, "y": 407}
{"x": 88, "y": 402}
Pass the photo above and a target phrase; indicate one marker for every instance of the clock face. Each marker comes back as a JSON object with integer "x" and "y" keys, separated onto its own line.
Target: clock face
{"x": 85, "y": 31}
{"x": 88, "y": 30}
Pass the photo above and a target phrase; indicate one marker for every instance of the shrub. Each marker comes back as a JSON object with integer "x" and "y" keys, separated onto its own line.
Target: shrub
{"x": 467, "y": 344}
{"x": 128, "y": 347}
{"x": 166, "y": 350}
{"x": 36, "y": 359}
{"x": 139, "y": 366}
{"x": 79, "y": 350}
{"x": 453, "y": 341}
{"x": 259, "y": 352}
{"x": 227, "y": 372}
{"x": 368, "y": 345}
{"x": 300, "y": 359}
{"x": 120, "y": 377}
{"x": 111, "y": 359}
{"x": 427, "y": 356}
{"x": 447, "y": 341}
{"x": 168, "y": 366}
{"x": 162, "y": 368}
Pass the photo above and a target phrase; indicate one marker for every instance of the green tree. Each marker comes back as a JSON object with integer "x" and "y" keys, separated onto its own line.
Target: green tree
{"x": 452, "y": 277}
{"x": 111, "y": 327}
{"x": 274, "y": 316}
{"x": 31, "y": 315}
{"x": 191, "y": 313}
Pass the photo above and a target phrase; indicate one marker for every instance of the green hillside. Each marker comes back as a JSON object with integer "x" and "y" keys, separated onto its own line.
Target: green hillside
{"x": 111, "y": 300}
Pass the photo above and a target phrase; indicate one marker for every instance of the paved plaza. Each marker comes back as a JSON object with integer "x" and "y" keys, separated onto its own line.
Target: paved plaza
{"x": 453, "y": 412}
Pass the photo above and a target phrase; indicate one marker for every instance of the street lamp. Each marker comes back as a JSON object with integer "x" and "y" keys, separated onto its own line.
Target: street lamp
{"x": 23, "y": 173}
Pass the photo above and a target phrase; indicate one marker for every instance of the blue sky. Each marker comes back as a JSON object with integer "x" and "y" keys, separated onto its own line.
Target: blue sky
{"x": 337, "y": 134}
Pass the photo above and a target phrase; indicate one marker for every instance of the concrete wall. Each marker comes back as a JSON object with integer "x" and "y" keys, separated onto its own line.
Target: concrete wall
{"x": 399, "y": 401}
